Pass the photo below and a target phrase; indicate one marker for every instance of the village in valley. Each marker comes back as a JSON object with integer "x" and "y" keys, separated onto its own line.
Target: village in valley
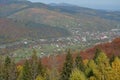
{"x": 45, "y": 47}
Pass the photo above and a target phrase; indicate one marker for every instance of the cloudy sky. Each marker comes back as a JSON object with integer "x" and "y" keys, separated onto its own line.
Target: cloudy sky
{"x": 97, "y": 4}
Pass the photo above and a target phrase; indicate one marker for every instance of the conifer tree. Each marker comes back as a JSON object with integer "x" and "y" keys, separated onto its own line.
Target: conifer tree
{"x": 40, "y": 69}
{"x": 6, "y": 68}
{"x": 79, "y": 63}
{"x": 67, "y": 68}
{"x": 112, "y": 59}
{"x": 1, "y": 71}
{"x": 26, "y": 72}
{"x": 53, "y": 74}
{"x": 97, "y": 52}
{"x": 13, "y": 71}
{"x": 34, "y": 65}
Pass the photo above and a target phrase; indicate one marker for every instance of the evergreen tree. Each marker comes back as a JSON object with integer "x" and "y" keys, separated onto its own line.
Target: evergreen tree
{"x": 53, "y": 74}
{"x": 112, "y": 59}
{"x": 40, "y": 69}
{"x": 13, "y": 71}
{"x": 7, "y": 61}
{"x": 34, "y": 65}
{"x": 1, "y": 71}
{"x": 79, "y": 63}
{"x": 26, "y": 72}
{"x": 97, "y": 52}
{"x": 67, "y": 68}
{"x": 6, "y": 68}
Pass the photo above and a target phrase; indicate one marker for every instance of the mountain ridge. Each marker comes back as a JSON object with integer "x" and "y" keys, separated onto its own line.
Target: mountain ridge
{"x": 25, "y": 12}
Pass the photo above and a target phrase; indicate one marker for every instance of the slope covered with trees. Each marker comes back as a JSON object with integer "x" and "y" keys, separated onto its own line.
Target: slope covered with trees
{"x": 53, "y": 21}
{"x": 110, "y": 48}
{"x": 14, "y": 30}
{"x": 60, "y": 15}
{"x": 99, "y": 68}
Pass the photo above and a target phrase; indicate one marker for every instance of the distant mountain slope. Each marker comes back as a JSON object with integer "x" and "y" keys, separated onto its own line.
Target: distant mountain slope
{"x": 45, "y": 16}
{"x": 55, "y": 19}
{"x": 11, "y": 1}
{"x": 9, "y": 8}
{"x": 11, "y": 31}
{"x": 73, "y": 9}
{"x": 66, "y": 16}
{"x": 60, "y": 19}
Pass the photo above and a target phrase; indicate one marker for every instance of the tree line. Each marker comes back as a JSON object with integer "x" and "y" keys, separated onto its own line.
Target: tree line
{"x": 99, "y": 68}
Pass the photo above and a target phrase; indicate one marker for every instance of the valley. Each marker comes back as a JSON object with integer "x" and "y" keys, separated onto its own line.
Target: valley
{"x": 53, "y": 28}
{"x": 58, "y": 41}
{"x": 46, "y": 47}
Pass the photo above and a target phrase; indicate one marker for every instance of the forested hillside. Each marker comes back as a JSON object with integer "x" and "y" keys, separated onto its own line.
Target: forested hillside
{"x": 14, "y": 30}
{"x": 110, "y": 48}
{"x": 47, "y": 31}
{"x": 73, "y": 67}
{"x": 59, "y": 19}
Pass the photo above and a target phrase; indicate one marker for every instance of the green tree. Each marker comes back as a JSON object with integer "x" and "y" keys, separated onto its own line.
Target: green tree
{"x": 1, "y": 70}
{"x": 112, "y": 59}
{"x": 13, "y": 71}
{"x": 97, "y": 52}
{"x": 6, "y": 68}
{"x": 53, "y": 74}
{"x": 67, "y": 68}
{"x": 79, "y": 63}
{"x": 34, "y": 65}
{"x": 41, "y": 70}
{"x": 26, "y": 72}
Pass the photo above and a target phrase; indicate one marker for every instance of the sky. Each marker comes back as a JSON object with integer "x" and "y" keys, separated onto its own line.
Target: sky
{"x": 96, "y": 4}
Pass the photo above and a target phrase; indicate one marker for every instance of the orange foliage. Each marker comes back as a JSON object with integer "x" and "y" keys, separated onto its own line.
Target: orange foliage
{"x": 110, "y": 48}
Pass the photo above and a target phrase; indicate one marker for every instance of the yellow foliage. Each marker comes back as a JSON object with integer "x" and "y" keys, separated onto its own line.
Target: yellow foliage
{"x": 92, "y": 78}
{"x": 39, "y": 78}
{"x": 77, "y": 75}
{"x": 116, "y": 68}
{"x": 85, "y": 62}
{"x": 116, "y": 64}
{"x": 19, "y": 68}
{"x": 92, "y": 64}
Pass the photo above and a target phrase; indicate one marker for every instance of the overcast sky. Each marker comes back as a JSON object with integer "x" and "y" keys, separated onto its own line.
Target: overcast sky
{"x": 97, "y": 4}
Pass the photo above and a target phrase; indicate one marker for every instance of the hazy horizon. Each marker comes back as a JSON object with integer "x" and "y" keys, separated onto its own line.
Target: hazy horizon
{"x": 102, "y": 4}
